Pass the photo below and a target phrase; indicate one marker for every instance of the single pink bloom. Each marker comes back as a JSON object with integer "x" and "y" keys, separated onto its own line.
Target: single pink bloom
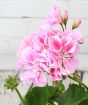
{"x": 76, "y": 35}
{"x": 35, "y": 77}
{"x": 28, "y": 76}
{"x": 65, "y": 40}
{"x": 55, "y": 74}
{"x": 40, "y": 80}
{"x": 69, "y": 46}
{"x": 26, "y": 57}
{"x": 26, "y": 42}
{"x": 42, "y": 61}
{"x": 75, "y": 53}
{"x": 54, "y": 16}
{"x": 42, "y": 38}
{"x": 70, "y": 65}
{"x": 55, "y": 43}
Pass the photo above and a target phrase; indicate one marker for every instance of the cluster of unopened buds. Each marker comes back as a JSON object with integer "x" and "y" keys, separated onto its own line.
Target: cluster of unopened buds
{"x": 50, "y": 50}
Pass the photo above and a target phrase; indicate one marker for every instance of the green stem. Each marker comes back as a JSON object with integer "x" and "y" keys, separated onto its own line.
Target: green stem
{"x": 65, "y": 27}
{"x": 31, "y": 87}
{"x": 19, "y": 95}
{"x": 80, "y": 82}
{"x": 62, "y": 27}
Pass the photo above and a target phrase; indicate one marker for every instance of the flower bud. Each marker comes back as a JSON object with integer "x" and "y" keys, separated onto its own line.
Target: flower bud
{"x": 11, "y": 82}
{"x": 65, "y": 17}
{"x": 76, "y": 75}
{"x": 76, "y": 23}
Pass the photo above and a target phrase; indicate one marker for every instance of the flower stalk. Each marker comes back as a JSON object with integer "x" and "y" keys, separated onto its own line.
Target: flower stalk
{"x": 12, "y": 84}
{"x": 20, "y": 97}
{"x": 78, "y": 81}
{"x": 62, "y": 27}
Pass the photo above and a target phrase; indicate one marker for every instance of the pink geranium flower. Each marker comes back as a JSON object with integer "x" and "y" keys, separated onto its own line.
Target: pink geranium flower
{"x": 54, "y": 16}
{"x": 55, "y": 74}
{"x": 76, "y": 35}
{"x": 70, "y": 65}
{"x": 34, "y": 77}
{"x": 41, "y": 39}
{"x": 49, "y": 51}
{"x": 69, "y": 45}
{"x": 28, "y": 41}
{"x": 55, "y": 43}
{"x": 26, "y": 57}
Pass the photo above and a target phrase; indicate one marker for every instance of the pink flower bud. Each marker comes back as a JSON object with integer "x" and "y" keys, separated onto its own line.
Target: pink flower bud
{"x": 76, "y": 23}
{"x": 65, "y": 15}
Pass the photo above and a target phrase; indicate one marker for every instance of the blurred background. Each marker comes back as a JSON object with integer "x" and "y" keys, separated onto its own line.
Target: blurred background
{"x": 18, "y": 18}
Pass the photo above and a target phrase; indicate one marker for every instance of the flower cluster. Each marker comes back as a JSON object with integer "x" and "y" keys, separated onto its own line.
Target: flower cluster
{"x": 49, "y": 50}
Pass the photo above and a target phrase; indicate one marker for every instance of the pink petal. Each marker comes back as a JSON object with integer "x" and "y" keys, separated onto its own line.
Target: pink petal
{"x": 76, "y": 35}
{"x": 55, "y": 43}
{"x": 66, "y": 40}
{"x": 55, "y": 74}
{"x": 71, "y": 65}
{"x": 71, "y": 47}
{"x": 54, "y": 15}
{"x": 27, "y": 76}
{"x": 26, "y": 42}
{"x": 28, "y": 55}
{"x": 40, "y": 80}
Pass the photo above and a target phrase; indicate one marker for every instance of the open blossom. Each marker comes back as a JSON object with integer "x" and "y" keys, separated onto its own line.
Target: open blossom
{"x": 49, "y": 51}
{"x": 41, "y": 38}
{"x": 34, "y": 77}
{"x": 68, "y": 45}
{"x": 76, "y": 35}
{"x": 70, "y": 66}
{"x": 55, "y": 43}
{"x": 28, "y": 41}
{"x": 55, "y": 74}
{"x": 54, "y": 16}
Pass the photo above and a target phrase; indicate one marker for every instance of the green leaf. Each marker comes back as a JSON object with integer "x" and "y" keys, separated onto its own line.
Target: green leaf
{"x": 52, "y": 91}
{"x": 72, "y": 96}
{"x": 41, "y": 95}
{"x": 84, "y": 102}
{"x": 37, "y": 96}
